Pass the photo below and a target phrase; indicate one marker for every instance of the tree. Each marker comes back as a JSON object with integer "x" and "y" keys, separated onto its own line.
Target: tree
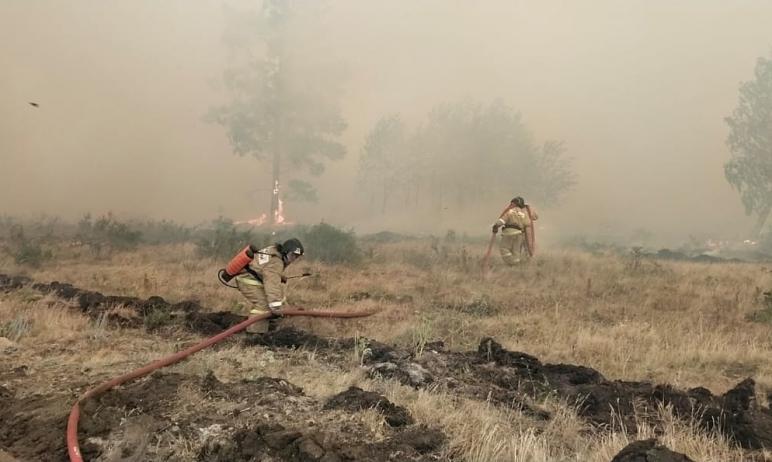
{"x": 551, "y": 175}
{"x": 750, "y": 142}
{"x": 382, "y": 159}
{"x": 283, "y": 106}
{"x": 465, "y": 154}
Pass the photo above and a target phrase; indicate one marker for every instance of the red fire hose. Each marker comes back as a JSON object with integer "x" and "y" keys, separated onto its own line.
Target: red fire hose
{"x": 487, "y": 256}
{"x": 73, "y": 448}
{"x": 530, "y": 236}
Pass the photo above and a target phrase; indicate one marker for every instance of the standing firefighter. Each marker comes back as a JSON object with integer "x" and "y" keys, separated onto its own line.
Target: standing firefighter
{"x": 517, "y": 236}
{"x": 261, "y": 278}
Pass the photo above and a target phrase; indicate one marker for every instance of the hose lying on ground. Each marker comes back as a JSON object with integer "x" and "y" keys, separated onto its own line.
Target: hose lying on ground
{"x": 73, "y": 448}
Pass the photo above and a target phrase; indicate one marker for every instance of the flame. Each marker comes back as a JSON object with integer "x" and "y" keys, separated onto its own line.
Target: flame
{"x": 278, "y": 215}
{"x": 254, "y": 221}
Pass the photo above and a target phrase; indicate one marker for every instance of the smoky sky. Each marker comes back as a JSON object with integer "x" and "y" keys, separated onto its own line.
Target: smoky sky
{"x": 637, "y": 90}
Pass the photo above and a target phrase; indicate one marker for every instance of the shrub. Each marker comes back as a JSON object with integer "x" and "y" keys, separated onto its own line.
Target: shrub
{"x": 478, "y": 305}
{"x": 164, "y": 232}
{"x": 421, "y": 260}
{"x": 329, "y": 244}
{"x": 764, "y": 315}
{"x": 31, "y": 254}
{"x": 451, "y": 236}
{"x": 107, "y": 233}
{"x": 156, "y": 319}
{"x": 385, "y": 237}
{"x": 6, "y": 222}
{"x": 26, "y": 251}
{"x": 224, "y": 239}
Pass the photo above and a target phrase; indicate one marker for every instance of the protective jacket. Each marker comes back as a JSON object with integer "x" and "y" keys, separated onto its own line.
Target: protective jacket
{"x": 514, "y": 221}
{"x": 266, "y": 271}
{"x": 516, "y": 234}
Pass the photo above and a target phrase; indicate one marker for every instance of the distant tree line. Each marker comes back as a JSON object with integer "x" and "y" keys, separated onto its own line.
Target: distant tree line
{"x": 463, "y": 154}
{"x": 282, "y": 108}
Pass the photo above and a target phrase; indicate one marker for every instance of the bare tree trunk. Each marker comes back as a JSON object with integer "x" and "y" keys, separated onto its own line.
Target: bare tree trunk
{"x": 278, "y": 135}
{"x": 275, "y": 186}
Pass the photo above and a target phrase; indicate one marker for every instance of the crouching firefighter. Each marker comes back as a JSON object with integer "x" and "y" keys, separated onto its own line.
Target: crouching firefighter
{"x": 517, "y": 235}
{"x": 259, "y": 275}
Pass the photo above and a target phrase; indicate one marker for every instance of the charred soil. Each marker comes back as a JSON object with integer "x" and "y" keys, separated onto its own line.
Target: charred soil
{"x": 269, "y": 418}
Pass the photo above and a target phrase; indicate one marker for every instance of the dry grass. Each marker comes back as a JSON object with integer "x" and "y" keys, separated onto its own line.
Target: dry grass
{"x": 681, "y": 323}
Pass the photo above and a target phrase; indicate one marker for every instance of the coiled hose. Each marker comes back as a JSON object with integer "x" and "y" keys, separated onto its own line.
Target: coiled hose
{"x": 73, "y": 448}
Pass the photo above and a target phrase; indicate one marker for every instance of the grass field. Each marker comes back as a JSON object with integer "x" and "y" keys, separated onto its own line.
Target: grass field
{"x": 630, "y": 318}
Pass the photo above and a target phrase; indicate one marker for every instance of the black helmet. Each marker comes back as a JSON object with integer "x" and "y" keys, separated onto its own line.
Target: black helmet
{"x": 518, "y": 201}
{"x": 292, "y": 246}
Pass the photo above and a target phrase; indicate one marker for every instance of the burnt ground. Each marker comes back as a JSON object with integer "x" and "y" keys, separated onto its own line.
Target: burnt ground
{"x": 509, "y": 378}
{"x": 32, "y": 427}
{"x": 151, "y": 313}
{"x": 263, "y": 419}
{"x": 648, "y": 451}
{"x": 271, "y": 419}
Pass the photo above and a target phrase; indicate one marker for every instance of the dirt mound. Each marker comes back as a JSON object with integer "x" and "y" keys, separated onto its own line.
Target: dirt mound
{"x": 262, "y": 419}
{"x": 601, "y": 401}
{"x": 491, "y": 373}
{"x": 519, "y": 380}
{"x": 151, "y": 312}
{"x": 152, "y": 396}
{"x": 648, "y": 451}
{"x": 32, "y": 428}
{"x": 412, "y": 444}
{"x": 8, "y": 282}
{"x": 275, "y": 442}
{"x": 355, "y": 399}
{"x": 212, "y": 323}
{"x": 290, "y": 337}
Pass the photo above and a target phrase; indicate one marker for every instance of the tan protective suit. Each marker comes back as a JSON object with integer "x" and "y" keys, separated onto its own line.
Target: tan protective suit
{"x": 512, "y": 244}
{"x": 267, "y": 292}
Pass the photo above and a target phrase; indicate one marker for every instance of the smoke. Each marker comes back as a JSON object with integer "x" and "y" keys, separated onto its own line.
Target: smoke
{"x": 637, "y": 90}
